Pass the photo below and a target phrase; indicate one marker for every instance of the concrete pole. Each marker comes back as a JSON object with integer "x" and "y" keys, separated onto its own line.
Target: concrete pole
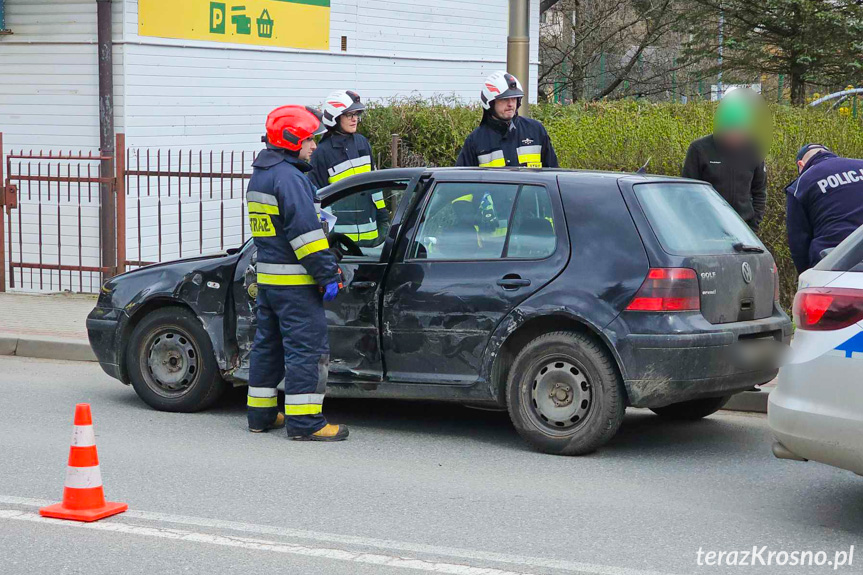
{"x": 107, "y": 220}
{"x": 518, "y": 48}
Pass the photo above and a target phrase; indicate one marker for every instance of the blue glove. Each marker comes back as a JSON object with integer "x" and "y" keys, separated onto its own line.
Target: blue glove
{"x": 331, "y": 291}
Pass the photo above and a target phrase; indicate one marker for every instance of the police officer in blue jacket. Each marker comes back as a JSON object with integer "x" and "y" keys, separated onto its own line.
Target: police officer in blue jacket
{"x": 503, "y": 138}
{"x": 294, "y": 265}
{"x": 342, "y": 153}
{"x": 823, "y": 205}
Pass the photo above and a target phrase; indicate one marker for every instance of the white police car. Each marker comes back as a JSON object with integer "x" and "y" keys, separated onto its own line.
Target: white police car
{"x": 816, "y": 412}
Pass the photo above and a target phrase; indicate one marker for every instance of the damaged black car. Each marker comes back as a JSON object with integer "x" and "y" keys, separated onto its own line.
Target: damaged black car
{"x": 561, "y": 296}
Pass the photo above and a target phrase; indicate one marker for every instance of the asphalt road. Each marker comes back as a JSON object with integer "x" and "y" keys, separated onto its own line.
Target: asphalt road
{"x": 418, "y": 487}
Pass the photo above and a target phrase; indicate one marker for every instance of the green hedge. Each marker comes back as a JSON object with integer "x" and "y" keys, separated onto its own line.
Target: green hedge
{"x": 622, "y": 136}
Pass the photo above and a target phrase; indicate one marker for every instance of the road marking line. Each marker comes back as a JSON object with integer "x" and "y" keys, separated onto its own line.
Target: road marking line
{"x": 383, "y": 544}
{"x": 262, "y": 545}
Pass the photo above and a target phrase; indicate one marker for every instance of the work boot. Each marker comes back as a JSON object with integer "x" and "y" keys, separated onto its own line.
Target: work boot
{"x": 329, "y": 432}
{"x": 277, "y": 424}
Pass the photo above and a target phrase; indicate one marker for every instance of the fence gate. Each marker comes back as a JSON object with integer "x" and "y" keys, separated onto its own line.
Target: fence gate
{"x": 50, "y": 223}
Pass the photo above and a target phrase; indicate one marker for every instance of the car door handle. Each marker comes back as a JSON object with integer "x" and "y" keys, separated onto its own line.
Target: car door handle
{"x": 514, "y": 282}
{"x": 364, "y": 285}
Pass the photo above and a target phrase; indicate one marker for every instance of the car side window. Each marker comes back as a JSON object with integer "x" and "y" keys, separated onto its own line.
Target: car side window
{"x": 532, "y": 232}
{"x": 365, "y": 216}
{"x": 465, "y": 221}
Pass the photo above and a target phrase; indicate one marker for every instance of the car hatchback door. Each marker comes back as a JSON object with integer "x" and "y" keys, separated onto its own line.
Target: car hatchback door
{"x": 473, "y": 252}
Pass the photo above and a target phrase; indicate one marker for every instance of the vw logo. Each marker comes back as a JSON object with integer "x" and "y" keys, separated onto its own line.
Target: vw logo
{"x": 747, "y": 272}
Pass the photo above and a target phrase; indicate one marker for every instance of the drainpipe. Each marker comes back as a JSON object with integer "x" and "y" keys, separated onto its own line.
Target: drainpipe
{"x": 518, "y": 48}
{"x": 108, "y": 214}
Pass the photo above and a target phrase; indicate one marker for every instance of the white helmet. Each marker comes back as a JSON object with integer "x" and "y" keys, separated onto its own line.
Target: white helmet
{"x": 499, "y": 85}
{"x": 338, "y": 103}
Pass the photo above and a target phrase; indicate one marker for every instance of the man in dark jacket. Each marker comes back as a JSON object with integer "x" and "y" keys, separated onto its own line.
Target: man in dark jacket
{"x": 729, "y": 160}
{"x": 504, "y": 138}
{"x": 342, "y": 153}
{"x": 824, "y": 205}
{"x": 294, "y": 265}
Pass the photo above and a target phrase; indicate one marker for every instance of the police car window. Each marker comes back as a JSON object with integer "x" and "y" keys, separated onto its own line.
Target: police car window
{"x": 465, "y": 221}
{"x": 532, "y": 230}
{"x": 365, "y": 217}
{"x": 848, "y": 256}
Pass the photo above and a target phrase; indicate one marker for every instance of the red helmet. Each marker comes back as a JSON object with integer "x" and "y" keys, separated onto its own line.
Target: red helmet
{"x": 289, "y": 126}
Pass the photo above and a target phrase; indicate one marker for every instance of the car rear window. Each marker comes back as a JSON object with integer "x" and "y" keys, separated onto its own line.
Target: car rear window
{"x": 692, "y": 219}
{"x": 848, "y": 256}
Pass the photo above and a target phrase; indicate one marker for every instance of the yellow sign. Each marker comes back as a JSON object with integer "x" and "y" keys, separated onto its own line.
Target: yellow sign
{"x": 278, "y": 23}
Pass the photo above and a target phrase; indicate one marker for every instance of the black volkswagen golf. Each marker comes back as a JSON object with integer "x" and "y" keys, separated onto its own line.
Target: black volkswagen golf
{"x": 561, "y": 296}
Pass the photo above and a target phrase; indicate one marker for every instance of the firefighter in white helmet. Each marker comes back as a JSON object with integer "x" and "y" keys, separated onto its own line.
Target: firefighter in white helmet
{"x": 342, "y": 153}
{"x": 503, "y": 138}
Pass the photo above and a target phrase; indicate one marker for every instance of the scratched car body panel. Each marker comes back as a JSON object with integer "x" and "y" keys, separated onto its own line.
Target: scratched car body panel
{"x": 815, "y": 412}
{"x": 414, "y": 324}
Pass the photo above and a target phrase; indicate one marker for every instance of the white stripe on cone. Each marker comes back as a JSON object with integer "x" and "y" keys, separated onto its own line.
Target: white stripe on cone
{"x": 83, "y": 477}
{"x": 83, "y": 436}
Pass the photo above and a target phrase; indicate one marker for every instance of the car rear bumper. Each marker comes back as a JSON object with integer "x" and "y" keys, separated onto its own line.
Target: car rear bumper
{"x": 815, "y": 411}
{"x": 665, "y": 368}
{"x": 103, "y": 330}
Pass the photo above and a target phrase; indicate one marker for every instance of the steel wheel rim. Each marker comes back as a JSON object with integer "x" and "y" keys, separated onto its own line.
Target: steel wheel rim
{"x": 558, "y": 395}
{"x": 171, "y": 364}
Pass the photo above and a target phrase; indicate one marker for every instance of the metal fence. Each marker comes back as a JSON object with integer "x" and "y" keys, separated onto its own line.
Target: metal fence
{"x": 50, "y": 221}
{"x": 163, "y": 204}
{"x": 181, "y": 203}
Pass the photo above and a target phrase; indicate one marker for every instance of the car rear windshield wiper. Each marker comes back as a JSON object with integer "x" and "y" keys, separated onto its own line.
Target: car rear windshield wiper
{"x": 741, "y": 247}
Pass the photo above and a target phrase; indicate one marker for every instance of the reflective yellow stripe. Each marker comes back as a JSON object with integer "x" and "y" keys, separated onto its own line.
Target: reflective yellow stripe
{"x": 261, "y": 226}
{"x": 263, "y": 401}
{"x": 364, "y": 236}
{"x": 530, "y": 159}
{"x": 285, "y": 280}
{"x": 350, "y": 172}
{"x": 312, "y": 247}
{"x": 259, "y": 208}
{"x": 380, "y": 204}
{"x": 308, "y": 409}
{"x": 464, "y": 198}
{"x": 496, "y": 163}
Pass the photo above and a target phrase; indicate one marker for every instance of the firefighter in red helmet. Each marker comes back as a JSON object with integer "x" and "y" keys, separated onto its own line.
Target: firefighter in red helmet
{"x": 296, "y": 273}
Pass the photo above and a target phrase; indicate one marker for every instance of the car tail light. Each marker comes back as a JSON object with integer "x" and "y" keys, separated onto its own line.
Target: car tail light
{"x": 828, "y": 309}
{"x": 667, "y": 289}
{"x": 775, "y": 283}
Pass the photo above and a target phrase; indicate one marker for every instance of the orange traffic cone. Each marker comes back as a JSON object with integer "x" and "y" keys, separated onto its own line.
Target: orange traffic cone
{"x": 83, "y": 498}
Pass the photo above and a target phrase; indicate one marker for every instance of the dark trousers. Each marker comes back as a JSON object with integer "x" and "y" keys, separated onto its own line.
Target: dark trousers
{"x": 290, "y": 342}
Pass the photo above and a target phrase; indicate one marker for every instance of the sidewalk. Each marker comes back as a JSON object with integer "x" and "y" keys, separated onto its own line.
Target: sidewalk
{"x": 47, "y": 326}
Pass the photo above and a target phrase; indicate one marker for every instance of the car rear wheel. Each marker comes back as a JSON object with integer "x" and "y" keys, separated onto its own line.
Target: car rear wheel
{"x": 564, "y": 394}
{"x": 693, "y": 409}
{"x": 171, "y": 363}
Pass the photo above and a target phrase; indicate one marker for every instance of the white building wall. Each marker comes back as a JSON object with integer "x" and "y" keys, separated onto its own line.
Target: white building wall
{"x": 49, "y": 89}
{"x": 183, "y": 94}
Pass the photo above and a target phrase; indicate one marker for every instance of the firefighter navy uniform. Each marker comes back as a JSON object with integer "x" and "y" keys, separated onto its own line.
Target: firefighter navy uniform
{"x": 497, "y": 144}
{"x": 293, "y": 262}
{"x": 363, "y": 217}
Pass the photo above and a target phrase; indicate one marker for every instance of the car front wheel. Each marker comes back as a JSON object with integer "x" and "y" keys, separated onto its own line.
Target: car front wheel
{"x": 564, "y": 394}
{"x": 171, "y": 363}
{"x": 693, "y": 409}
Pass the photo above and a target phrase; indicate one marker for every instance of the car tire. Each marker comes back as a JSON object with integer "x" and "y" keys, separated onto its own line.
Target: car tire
{"x": 171, "y": 363}
{"x": 564, "y": 394}
{"x": 692, "y": 409}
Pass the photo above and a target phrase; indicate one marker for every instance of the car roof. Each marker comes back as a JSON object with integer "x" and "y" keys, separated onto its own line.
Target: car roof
{"x": 573, "y": 176}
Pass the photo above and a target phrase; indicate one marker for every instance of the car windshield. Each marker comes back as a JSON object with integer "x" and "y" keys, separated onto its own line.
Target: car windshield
{"x": 692, "y": 219}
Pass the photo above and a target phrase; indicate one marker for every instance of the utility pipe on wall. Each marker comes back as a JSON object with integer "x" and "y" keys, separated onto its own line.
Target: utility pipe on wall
{"x": 518, "y": 48}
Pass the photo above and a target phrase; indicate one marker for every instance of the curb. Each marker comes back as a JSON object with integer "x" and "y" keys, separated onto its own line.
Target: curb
{"x": 46, "y": 348}
{"x": 751, "y": 401}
